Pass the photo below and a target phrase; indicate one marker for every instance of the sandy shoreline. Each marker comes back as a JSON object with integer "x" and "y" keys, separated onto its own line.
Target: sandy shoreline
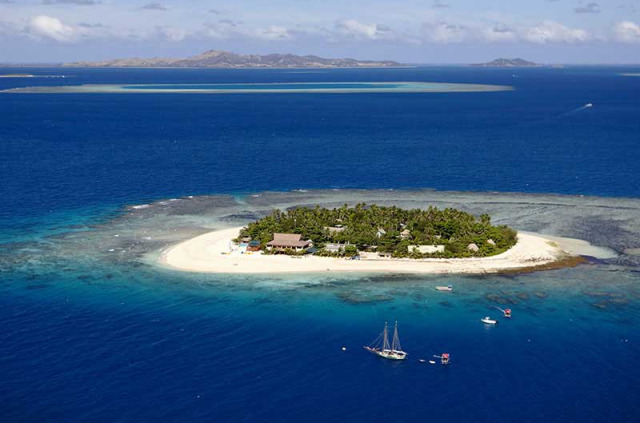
{"x": 205, "y": 254}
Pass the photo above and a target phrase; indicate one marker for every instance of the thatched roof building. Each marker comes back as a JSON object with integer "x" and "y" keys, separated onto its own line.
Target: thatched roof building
{"x": 288, "y": 241}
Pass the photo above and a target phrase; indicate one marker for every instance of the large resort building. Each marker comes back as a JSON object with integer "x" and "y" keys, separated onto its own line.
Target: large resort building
{"x": 282, "y": 242}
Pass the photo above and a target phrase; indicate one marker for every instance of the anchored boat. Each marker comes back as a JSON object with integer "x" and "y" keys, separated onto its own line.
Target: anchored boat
{"x": 489, "y": 321}
{"x": 444, "y": 358}
{"x": 444, "y": 288}
{"x": 382, "y": 347}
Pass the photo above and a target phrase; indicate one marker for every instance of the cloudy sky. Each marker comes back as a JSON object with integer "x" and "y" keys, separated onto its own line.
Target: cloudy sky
{"x": 414, "y": 31}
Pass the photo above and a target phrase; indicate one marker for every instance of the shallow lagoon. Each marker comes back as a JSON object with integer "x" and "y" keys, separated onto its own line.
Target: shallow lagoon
{"x": 282, "y": 88}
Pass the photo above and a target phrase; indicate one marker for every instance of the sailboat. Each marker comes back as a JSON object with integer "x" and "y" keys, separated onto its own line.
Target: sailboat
{"x": 382, "y": 348}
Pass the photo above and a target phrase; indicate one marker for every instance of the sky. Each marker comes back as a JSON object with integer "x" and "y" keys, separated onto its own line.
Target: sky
{"x": 408, "y": 31}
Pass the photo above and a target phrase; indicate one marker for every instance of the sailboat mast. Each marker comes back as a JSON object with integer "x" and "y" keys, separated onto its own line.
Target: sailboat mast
{"x": 385, "y": 338}
{"x": 396, "y": 341}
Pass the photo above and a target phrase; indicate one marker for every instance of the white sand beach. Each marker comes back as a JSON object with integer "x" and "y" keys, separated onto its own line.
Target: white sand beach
{"x": 209, "y": 253}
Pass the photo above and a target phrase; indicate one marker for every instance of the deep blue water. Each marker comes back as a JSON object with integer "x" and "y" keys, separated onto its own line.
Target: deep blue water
{"x": 91, "y": 341}
{"x": 63, "y": 151}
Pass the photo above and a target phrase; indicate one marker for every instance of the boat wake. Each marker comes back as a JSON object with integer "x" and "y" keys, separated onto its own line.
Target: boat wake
{"x": 577, "y": 110}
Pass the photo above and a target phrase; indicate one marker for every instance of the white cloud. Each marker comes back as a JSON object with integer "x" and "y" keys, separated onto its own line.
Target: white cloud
{"x": 543, "y": 33}
{"x": 226, "y": 29}
{"x": 438, "y": 5}
{"x": 154, "y": 6}
{"x": 498, "y": 33}
{"x": 627, "y": 32}
{"x": 443, "y": 32}
{"x": 272, "y": 32}
{"x": 553, "y": 32}
{"x": 171, "y": 33}
{"x": 52, "y": 28}
{"x": 588, "y": 8}
{"x": 351, "y": 29}
{"x": 77, "y": 2}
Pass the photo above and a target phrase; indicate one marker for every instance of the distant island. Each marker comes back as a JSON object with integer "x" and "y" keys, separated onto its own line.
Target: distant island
{"x": 225, "y": 59}
{"x": 508, "y": 63}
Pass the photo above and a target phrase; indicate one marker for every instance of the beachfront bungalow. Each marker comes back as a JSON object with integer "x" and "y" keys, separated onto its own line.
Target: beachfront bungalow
{"x": 473, "y": 248}
{"x": 336, "y": 248}
{"x": 426, "y": 249}
{"x": 253, "y": 246}
{"x": 283, "y": 242}
{"x": 406, "y": 234}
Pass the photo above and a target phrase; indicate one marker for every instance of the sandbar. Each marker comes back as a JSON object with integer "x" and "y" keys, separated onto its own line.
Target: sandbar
{"x": 17, "y": 75}
{"x": 263, "y": 88}
{"x": 209, "y": 253}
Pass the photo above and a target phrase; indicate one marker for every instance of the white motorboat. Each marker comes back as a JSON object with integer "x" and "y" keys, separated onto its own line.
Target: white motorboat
{"x": 489, "y": 321}
{"x": 447, "y": 288}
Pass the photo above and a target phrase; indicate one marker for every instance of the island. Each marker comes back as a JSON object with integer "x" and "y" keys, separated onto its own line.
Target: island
{"x": 226, "y": 59}
{"x": 508, "y": 63}
{"x": 368, "y": 238}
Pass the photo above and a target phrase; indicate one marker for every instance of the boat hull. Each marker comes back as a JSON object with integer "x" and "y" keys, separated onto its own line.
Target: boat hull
{"x": 389, "y": 355}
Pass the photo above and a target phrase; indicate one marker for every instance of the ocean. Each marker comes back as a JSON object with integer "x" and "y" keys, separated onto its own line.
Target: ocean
{"x": 94, "y": 185}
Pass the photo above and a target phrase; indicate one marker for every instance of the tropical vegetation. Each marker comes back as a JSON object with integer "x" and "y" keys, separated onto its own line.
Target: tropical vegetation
{"x": 390, "y": 230}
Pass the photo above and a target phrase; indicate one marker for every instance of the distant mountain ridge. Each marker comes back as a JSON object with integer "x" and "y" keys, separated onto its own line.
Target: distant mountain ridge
{"x": 225, "y": 59}
{"x": 508, "y": 63}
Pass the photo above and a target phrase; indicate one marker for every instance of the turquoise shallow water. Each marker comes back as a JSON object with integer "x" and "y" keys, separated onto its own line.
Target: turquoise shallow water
{"x": 271, "y": 88}
{"x": 263, "y": 86}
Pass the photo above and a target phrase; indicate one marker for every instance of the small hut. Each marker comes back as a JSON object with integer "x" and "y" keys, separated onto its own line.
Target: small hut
{"x": 253, "y": 246}
{"x": 473, "y": 248}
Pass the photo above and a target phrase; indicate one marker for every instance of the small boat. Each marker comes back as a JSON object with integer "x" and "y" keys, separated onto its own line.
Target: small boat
{"x": 382, "y": 348}
{"x": 505, "y": 312}
{"x": 588, "y": 105}
{"x": 444, "y": 358}
{"x": 489, "y": 321}
{"x": 444, "y": 288}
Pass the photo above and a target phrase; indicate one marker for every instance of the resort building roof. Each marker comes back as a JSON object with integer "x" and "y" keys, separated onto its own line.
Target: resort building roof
{"x": 287, "y": 241}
